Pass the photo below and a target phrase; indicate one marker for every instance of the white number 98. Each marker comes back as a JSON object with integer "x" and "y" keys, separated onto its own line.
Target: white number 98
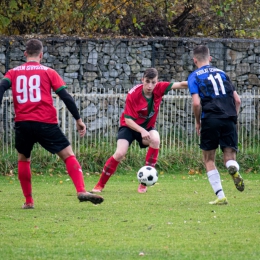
{"x": 22, "y": 85}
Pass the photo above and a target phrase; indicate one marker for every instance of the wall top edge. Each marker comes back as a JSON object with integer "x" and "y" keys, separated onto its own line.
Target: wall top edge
{"x": 61, "y": 38}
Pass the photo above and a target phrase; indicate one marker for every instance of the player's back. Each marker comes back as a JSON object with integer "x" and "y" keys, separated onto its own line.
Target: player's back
{"x": 215, "y": 90}
{"x": 32, "y": 85}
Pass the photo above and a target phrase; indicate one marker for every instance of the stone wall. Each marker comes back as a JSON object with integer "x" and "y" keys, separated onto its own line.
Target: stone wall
{"x": 99, "y": 73}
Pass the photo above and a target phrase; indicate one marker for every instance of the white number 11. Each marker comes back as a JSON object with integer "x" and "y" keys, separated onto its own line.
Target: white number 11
{"x": 215, "y": 85}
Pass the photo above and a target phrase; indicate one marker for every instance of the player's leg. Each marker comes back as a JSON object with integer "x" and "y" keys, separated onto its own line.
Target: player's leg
{"x": 73, "y": 168}
{"x": 153, "y": 150}
{"x": 209, "y": 141}
{"x": 24, "y": 141}
{"x": 228, "y": 144}
{"x": 75, "y": 172}
{"x": 214, "y": 177}
{"x": 24, "y": 176}
{"x": 111, "y": 164}
{"x": 152, "y": 153}
{"x": 53, "y": 140}
{"x": 229, "y": 157}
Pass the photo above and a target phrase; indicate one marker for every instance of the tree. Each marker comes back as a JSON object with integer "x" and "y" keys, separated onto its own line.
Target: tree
{"x": 207, "y": 18}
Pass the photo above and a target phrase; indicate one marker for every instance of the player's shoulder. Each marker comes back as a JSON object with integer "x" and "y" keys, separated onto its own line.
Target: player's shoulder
{"x": 17, "y": 68}
{"x": 215, "y": 69}
{"x": 48, "y": 68}
{"x": 192, "y": 74}
{"x": 162, "y": 83}
{"x": 136, "y": 89}
{"x": 161, "y": 86}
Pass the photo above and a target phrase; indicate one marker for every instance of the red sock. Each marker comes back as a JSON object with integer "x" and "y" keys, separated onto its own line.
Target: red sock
{"x": 75, "y": 173}
{"x": 151, "y": 156}
{"x": 24, "y": 176}
{"x": 108, "y": 170}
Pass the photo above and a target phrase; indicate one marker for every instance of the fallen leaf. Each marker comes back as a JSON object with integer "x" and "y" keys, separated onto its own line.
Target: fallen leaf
{"x": 191, "y": 172}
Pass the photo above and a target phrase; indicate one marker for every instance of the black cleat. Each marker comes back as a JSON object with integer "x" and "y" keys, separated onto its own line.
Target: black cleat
{"x": 87, "y": 196}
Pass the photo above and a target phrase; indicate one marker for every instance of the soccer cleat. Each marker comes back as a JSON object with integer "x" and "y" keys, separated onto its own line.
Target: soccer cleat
{"x": 142, "y": 188}
{"x": 97, "y": 188}
{"x": 28, "y": 206}
{"x": 87, "y": 196}
{"x": 222, "y": 201}
{"x": 238, "y": 180}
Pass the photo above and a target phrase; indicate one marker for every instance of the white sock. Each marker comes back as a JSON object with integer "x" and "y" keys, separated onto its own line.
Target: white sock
{"x": 232, "y": 163}
{"x": 215, "y": 182}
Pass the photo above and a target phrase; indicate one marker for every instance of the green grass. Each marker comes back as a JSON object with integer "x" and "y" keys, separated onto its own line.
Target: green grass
{"x": 173, "y": 220}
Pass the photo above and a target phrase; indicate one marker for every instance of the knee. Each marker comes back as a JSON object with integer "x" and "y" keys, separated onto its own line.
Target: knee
{"x": 155, "y": 143}
{"x": 119, "y": 156}
{"x": 155, "y": 139}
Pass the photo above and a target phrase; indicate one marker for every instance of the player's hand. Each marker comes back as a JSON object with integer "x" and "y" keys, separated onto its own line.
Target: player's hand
{"x": 81, "y": 127}
{"x": 145, "y": 135}
{"x": 198, "y": 128}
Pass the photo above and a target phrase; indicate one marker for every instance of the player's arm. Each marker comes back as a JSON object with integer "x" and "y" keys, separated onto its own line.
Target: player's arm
{"x": 196, "y": 110}
{"x": 237, "y": 101}
{"x": 235, "y": 95}
{"x": 4, "y": 85}
{"x": 133, "y": 125}
{"x": 180, "y": 85}
{"x": 70, "y": 104}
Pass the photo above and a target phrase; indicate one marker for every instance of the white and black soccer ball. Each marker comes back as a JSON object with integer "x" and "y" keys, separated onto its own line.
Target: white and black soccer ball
{"x": 147, "y": 176}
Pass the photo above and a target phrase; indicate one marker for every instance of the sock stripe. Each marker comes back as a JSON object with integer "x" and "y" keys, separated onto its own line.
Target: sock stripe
{"x": 218, "y": 191}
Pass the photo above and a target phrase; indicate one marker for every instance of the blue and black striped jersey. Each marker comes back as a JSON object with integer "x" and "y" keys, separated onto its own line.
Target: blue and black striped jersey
{"x": 215, "y": 91}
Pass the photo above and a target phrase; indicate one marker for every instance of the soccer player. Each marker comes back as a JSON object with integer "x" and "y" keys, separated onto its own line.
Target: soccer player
{"x": 215, "y": 105}
{"x": 36, "y": 119}
{"x": 137, "y": 122}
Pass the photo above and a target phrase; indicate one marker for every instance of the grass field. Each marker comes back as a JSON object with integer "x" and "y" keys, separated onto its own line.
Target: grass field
{"x": 173, "y": 220}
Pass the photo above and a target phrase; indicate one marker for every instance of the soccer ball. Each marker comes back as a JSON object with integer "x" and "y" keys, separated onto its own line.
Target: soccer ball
{"x": 147, "y": 176}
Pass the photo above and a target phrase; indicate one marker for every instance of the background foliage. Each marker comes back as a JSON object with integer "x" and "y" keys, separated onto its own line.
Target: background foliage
{"x": 174, "y": 18}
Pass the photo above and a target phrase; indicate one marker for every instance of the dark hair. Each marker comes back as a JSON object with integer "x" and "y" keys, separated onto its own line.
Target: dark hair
{"x": 151, "y": 73}
{"x": 201, "y": 52}
{"x": 33, "y": 47}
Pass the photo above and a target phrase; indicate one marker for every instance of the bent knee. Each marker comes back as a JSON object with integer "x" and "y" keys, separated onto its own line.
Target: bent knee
{"x": 154, "y": 142}
{"x": 119, "y": 156}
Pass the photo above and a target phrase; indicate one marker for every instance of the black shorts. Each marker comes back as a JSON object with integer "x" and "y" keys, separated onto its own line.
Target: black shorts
{"x": 49, "y": 136}
{"x": 130, "y": 135}
{"x": 216, "y": 131}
